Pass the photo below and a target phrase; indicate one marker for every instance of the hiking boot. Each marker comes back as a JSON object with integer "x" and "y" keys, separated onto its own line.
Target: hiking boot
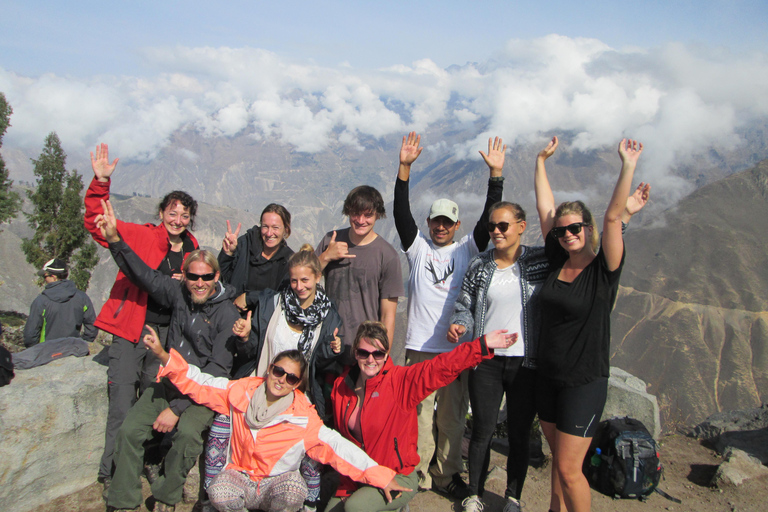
{"x": 455, "y": 489}
{"x": 163, "y": 507}
{"x": 152, "y": 472}
{"x": 105, "y": 481}
{"x": 513, "y": 505}
{"x": 472, "y": 504}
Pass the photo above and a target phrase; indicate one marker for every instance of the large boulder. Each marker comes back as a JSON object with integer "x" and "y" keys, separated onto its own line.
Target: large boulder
{"x": 627, "y": 396}
{"x": 52, "y": 422}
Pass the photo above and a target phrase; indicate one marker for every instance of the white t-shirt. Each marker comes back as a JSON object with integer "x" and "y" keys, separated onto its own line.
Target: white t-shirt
{"x": 434, "y": 283}
{"x": 505, "y": 307}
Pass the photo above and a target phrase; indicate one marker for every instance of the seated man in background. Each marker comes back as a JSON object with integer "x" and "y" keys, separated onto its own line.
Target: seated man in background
{"x": 61, "y": 311}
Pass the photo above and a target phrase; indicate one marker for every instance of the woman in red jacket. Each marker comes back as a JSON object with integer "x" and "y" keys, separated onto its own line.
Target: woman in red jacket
{"x": 374, "y": 405}
{"x": 163, "y": 247}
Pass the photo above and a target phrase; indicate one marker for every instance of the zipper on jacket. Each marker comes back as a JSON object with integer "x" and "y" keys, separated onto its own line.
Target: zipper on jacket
{"x": 397, "y": 452}
{"x": 122, "y": 303}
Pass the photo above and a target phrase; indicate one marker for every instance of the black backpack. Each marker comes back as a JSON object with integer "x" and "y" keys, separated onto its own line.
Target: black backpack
{"x": 623, "y": 460}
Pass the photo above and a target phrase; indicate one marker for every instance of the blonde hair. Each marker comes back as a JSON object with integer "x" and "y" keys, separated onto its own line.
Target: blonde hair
{"x": 306, "y": 257}
{"x": 206, "y": 257}
{"x": 579, "y": 208}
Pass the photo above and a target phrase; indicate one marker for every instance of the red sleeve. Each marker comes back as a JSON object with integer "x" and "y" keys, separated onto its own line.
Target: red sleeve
{"x": 421, "y": 379}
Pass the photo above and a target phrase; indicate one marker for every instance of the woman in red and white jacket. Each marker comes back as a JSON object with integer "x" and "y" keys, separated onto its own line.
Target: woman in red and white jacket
{"x": 374, "y": 405}
{"x": 129, "y": 308}
{"x": 273, "y": 426}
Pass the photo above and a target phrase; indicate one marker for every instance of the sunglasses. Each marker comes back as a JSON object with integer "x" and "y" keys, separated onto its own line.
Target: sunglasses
{"x": 503, "y": 226}
{"x": 378, "y": 355}
{"x": 278, "y": 371}
{"x": 205, "y": 277}
{"x": 574, "y": 228}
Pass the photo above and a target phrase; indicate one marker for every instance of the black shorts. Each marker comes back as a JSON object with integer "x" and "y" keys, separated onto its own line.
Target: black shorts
{"x": 575, "y": 410}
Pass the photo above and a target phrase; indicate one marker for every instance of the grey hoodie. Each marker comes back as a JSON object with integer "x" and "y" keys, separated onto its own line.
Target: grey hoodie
{"x": 60, "y": 312}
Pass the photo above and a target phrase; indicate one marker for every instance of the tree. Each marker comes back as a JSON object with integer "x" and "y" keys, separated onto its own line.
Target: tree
{"x": 57, "y": 216}
{"x": 10, "y": 202}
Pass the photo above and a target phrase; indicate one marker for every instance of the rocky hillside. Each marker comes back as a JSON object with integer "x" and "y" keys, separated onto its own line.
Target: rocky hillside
{"x": 692, "y": 316}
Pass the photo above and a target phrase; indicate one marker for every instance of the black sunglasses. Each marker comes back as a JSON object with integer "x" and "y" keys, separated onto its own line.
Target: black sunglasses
{"x": 574, "y": 228}
{"x": 278, "y": 371}
{"x": 378, "y": 355}
{"x": 205, "y": 277}
{"x": 503, "y": 226}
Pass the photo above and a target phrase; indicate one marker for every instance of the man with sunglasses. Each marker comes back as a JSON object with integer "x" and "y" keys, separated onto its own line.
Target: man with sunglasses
{"x": 201, "y": 330}
{"x": 437, "y": 265}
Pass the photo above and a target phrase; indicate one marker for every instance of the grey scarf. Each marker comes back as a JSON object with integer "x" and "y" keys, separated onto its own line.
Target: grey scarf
{"x": 259, "y": 413}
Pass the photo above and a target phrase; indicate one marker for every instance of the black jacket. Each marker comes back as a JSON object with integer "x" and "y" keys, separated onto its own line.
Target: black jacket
{"x": 59, "y": 312}
{"x": 236, "y": 269}
{"x": 201, "y": 333}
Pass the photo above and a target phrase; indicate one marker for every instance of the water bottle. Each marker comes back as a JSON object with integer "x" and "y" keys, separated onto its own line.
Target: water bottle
{"x": 596, "y": 459}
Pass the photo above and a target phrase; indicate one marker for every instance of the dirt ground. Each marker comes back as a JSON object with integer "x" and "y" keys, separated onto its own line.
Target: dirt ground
{"x": 688, "y": 468}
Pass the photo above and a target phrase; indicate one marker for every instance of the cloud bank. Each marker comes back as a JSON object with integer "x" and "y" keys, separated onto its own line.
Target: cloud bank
{"x": 680, "y": 101}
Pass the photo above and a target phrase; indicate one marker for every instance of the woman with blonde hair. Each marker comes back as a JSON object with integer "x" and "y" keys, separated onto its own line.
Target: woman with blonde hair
{"x": 576, "y": 301}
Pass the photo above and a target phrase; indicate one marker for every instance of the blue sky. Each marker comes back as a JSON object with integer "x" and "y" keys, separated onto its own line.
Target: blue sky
{"x": 85, "y": 37}
{"x": 683, "y": 76}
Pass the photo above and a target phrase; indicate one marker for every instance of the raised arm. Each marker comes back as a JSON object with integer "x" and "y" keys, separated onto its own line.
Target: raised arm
{"x": 102, "y": 169}
{"x": 636, "y": 201}
{"x": 545, "y": 200}
{"x": 162, "y": 288}
{"x": 495, "y": 162}
{"x": 612, "y": 243}
{"x": 404, "y": 223}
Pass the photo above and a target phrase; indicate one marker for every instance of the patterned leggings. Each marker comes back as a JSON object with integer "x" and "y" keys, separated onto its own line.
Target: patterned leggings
{"x": 216, "y": 458}
{"x": 233, "y": 491}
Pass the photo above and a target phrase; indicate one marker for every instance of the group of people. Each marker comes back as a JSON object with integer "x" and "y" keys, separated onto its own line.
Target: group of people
{"x": 287, "y": 375}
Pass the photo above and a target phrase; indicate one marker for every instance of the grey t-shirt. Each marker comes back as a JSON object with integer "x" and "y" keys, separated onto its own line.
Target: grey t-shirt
{"x": 356, "y": 285}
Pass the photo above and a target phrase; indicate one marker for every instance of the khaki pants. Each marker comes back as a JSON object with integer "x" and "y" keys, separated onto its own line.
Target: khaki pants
{"x": 440, "y": 430}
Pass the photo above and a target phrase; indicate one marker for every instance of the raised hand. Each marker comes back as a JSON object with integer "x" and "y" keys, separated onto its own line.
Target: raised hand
{"x": 495, "y": 157}
{"x": 102, "y": 169}
{"x": 638, "y": 199}
{"x": 455, "y": 332}
{"x": 336, "y": 343}
{"x": 500, "y": 339}
{"x": 337, "y": 250}
{"x": 152, "y": 342}
{"x": 229, "y": 244}
{"x": 410, "y": 150}
{"x": 242, "y": 327}
{"x": 550, "y": 149}
{"x": 629, "y": 151}
{"x": 107, "y": 222}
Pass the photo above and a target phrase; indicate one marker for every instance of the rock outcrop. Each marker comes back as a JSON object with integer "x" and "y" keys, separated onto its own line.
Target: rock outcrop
{"x": 52, "y": 429}
{"x": 627, "y": 396}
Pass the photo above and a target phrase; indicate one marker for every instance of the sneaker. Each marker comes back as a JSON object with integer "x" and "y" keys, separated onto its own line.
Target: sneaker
{"x": 456, "y": 488}
{"x": 472, "y": 504}
{"x": 513, "y": 505}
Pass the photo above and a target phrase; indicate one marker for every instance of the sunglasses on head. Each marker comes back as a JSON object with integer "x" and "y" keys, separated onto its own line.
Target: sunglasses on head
{"x": 575, "y": 229}
{"x": 191, "y": 276}
{"x": 278, "y": 371}
{"x": 378, "y": 355}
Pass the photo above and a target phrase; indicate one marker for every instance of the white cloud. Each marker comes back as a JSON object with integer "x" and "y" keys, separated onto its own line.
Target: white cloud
{"x": 678, "y": 100}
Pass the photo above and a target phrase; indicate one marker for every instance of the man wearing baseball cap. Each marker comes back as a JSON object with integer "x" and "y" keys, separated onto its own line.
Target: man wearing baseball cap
{"x": 437, "y": 265}
{"x": 61, "y": 311}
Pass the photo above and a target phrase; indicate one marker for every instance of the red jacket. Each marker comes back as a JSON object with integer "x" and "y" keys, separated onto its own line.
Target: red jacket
{"x": 388, "y": 417}
{"x": 126, "y": 308}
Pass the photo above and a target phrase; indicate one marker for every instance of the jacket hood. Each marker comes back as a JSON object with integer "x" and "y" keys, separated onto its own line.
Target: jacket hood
{"x": 60, "y": 291}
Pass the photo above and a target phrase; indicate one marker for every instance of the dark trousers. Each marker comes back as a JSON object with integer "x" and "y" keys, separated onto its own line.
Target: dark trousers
{"x": 187, "y": 445}
{"x": 132, "y": 368}
{"x": 487, "y": 383}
